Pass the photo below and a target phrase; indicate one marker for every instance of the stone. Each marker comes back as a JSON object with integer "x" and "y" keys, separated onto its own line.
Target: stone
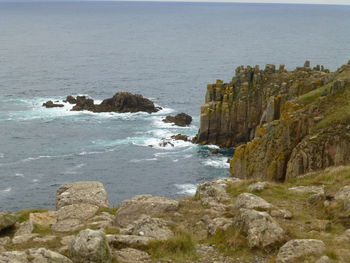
{"x": 7, "y": 220}
{"x": 51, "y": 104}
{"x": 320, "y": 225}
{"x": 121, "y": 102}
{"x": 219, "y": 223}
{"x": 344, "y": 238}
{"x": 89, "y": 192}
{"x": 261, "y": 229}
{"x": 25, "y": 228}
{"x": 131, "y": 255}
{"x": 34, "y": 255}
{"x": 23, "y": 238}
{"x": 43, "y": 218}
{"x": 308, "y": 189}
{"x": 149, "y": 227}
{"x": 2, "y": 249}
{"x": 343, "y": 193}
{"x": 67, "y": 240}
{"x": 128, "y": 241}
{"x": 180, "y": 137}
{"x": 296, "y": 249}
{"x": 44, "y": 239}
{"x": 68, "y": 225}
{"x": 70, "y": 100}
{"x": 251, "y": 201}
{"x": 258, "y": 186}
{"x": 131, "y": 210}
{"x": 5, "y": 240}
{"x": 214, "y": 192}
{"x": 181, "y": 119}
{"x": 324, "y": 259}
{"x": 81, "y": 211}
{"x": 281, "y": 213}
{"x": 90, "y": 246}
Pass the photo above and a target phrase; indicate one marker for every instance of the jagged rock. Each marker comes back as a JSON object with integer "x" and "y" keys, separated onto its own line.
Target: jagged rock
{"x": 149, "y": 227}
{"x": 180, "y": 137}
{"x": 251, "y": 201}
{"x": 258, "y": 186}
{"x": 165, "y": 143}
{"x": 7, "y": 220}
{"x": 128, "y": 240}
{"x": 34, "y": 255}
{"x": 214, "y": 192}
{"x": 25, "y": 228}
{"x": 51, "y": 104}
{"x": 43, "y": 218}
{"x": 133, "y": 209}
{"x": 343, "y": 194}
{"x": 90, "y": 246}
{"x": 219, "y": 223}
{"x": 70, "y": 100}
{"x": 89, "y": 192}
{"x": 131, "y": 255}
{"x": 261, "y": 229}
{"x": 23, "y": 238}
{"x": 295, "y": 250}
{"x": 308, "y": 189}
{"x": 120, "y": 102}
{"x": 181, "y": 119}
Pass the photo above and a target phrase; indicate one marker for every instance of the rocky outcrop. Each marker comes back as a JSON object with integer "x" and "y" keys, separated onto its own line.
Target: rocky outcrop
{"x": 296, "y": 250}
{"x": 90, "y": 246}
{"x": 133, "y": 209}
{"x": 51, "y": 104}
{"x": 181, "y": 119}
{"x": 71, "y": 100}
{"x": 121, "y": 102}
{"x": 7, "y": 220}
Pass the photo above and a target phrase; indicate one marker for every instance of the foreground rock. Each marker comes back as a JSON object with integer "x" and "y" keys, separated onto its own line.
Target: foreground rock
{"x": 131, "y": 255}
{"x": 7, "y": 220}
{"x": 51, "y": 104}
{"x": 181, "y": 119}
{"x": 298, "y": 249}
{"x": 34, "y": 255}
{"x": 90, "y": 246}
{"x": 121, "y": 102}
{"x": 261, "y": 229}
{"x": 133, "y": 209}
{"x": 251, "y": 201}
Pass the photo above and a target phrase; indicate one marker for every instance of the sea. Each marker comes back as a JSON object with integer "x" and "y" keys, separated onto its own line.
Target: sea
{"x": 168, "y": 52}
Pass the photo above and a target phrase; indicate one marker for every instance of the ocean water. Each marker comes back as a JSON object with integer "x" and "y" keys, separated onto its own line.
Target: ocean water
{"x": 166, "y": 51}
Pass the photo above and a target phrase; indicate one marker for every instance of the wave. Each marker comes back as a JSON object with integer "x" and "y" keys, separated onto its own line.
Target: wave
{"x": 219, "y": 162}
{"x": 186, "y": 189}
{"x": 7, "y": 190}
{"x": 143, "y": 160}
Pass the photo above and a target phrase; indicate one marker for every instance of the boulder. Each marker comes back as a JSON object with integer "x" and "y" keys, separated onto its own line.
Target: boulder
{"x": 67, "y": 225}
{"x": 261, "y": 229}
{"x": 47, "y": 218}
{"x": 121, "y": 102}
{"x": 308, "y": 189}
{"x": 343, "y": 193}
{"x": 70, "y": 100}
{"x": 180, "y": 137}
{"x": 90, "y": 246}
{"x": 131, "y": 255}
{"x": 89, "y": 192}
{"x": 251, "y": 201}
{"x": 133, "y": 209}
{"x": 218, "y": 223}
{"x": 7, "y": 220}
{"x": 23, "y": 238}
{"x": 34, "y": 255}
{"x": 181, "y": 119}
{"x": 258, "y": 186}
{"x": 149, "y": 227}
{"x": 51, "y": 104}
{"x": 295, "y": 250}
{"x": 128, "y": 241}
{"x": 281, "y": 213}
{"x": 25, "y": 228}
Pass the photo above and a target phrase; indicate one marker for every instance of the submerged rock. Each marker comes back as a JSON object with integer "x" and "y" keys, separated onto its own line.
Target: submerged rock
{"x": 51, "y": 104}
{"x": 181, "y": 119}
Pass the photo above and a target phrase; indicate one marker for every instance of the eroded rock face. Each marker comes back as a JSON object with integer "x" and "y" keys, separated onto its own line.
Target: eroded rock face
{"x": 133, "y": 209}
{"x": 181, "y": 119}
{"x": 121, "y": 102}
{"x": 7, "y": 220}
{"x": 41, "y": 255}
{"x": 90, "y": 246}
{"x": 261, "y": 229}
{"x": 297, "y": 249}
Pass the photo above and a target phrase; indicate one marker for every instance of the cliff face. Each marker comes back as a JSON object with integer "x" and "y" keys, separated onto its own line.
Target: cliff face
{"x": 232, "y": 111}
{"x": 283, "y": 123}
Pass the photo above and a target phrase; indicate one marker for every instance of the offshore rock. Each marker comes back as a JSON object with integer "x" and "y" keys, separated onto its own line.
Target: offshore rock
{"x": 51, "y": 104}
{"x": 70, "y": 100}
{"x": 121, "y": 102}
{"x": 180, "y": 137}
{"x": 181, "y": 119}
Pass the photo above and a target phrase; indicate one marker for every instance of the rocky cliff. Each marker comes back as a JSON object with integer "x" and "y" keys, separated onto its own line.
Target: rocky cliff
{"x": 283, "y": 123}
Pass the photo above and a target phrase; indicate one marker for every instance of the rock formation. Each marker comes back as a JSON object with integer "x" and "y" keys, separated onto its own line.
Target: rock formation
{"x": 181, "y": 119}
{"x": 51, "y": 104}
{"x": 283, "y": 123}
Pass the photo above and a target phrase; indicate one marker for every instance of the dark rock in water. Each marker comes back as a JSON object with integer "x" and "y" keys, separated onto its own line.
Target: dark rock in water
{"x": 181, "y": 119}
{"x": 50, "y": 104}
{"x": 214, "y": 151}
{"x": 180, "y": 137}
{"x": 165, "y": 143}
{"x": 120, "y": 102}
{"x": 70, "y": 100}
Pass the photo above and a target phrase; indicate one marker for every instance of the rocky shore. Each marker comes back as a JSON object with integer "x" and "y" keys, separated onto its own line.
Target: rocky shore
{"x": 287, "y": 201}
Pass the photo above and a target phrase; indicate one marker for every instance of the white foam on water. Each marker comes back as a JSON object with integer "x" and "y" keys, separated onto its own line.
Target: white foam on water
{"x": 2, "y": 155}
{"x": 143, "y": 160}
{"x": 35, "y": 180}
{"x": 217, "y": 163}
{"x": 175, "y": 161}
{"x": 19, "y": 175}
{"x": 7, "y": 190}
{"x": 186, "y": 189}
